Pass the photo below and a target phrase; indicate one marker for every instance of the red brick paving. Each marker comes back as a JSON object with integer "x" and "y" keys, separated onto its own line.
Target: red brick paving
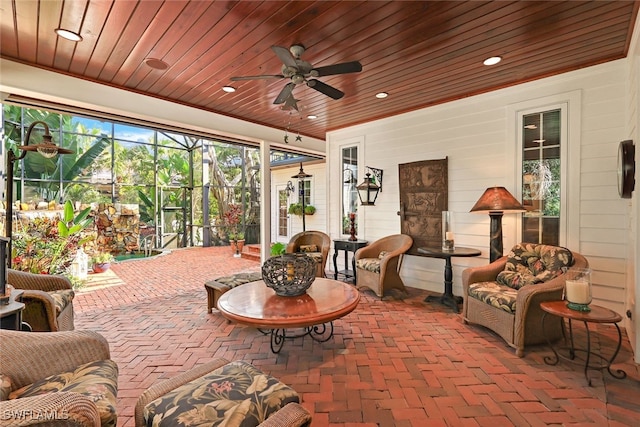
{"x": 390, "y": 363}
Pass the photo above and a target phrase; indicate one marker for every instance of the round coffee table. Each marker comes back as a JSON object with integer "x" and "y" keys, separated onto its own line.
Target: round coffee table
{"x": 597, "y": 314}
{"x": 254, "y": 304}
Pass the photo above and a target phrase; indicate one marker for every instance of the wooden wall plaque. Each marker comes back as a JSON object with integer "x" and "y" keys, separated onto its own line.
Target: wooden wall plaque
{"x": 424, "y": 193}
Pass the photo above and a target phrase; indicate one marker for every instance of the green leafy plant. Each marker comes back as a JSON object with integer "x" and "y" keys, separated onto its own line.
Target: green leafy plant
{"x": 102, "y": 258}
{"x": 73, "y": 224}
{"x": 278, "y": 248}
{"x": 296, "y": 209}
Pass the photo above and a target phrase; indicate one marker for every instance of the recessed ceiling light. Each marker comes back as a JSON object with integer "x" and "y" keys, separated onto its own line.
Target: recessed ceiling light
{"x": 228, "y": 89}
{"x": 312, "y": 116}
{"x": 68, "y": 34}
{"x": 493, "y": 60}
{"x": 158, "y": 64}
{"x": 381, "y": 95}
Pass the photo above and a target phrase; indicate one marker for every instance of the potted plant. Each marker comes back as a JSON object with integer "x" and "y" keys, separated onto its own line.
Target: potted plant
{"x": 296, "y": 209}
{"x": 278, "y": 248}
{"x": 101, "y": 262}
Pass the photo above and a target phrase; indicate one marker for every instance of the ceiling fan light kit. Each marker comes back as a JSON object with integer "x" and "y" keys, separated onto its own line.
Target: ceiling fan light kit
{"x": 299, "y": 72}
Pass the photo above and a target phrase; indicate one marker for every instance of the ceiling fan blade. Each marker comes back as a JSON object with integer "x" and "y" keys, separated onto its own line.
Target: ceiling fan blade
{"x": 321, "y": 87}
{"x": 264, "y": 76}
{"x": 344, "y": 68}
{"x": 285, "y": 56}
{"x": 285, "y": 93}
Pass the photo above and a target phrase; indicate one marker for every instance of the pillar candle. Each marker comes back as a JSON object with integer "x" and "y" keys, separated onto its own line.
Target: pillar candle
{"x": 577, "y": 291}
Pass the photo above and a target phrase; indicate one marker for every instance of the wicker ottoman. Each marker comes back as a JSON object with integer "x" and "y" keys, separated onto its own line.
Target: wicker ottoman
{"x": 221, "y": 393}
{"x": 215, "y": 288}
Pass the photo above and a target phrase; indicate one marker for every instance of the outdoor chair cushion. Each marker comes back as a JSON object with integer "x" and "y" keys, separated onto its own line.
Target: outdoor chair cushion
{"x": 369, "y": 264}
{"x": 494, "y": 294}
{"x": 529, "y": 263}
{"x": 97, "y": 380}
{"x": 235, "y": 394}
{"x": 62, "y": 299}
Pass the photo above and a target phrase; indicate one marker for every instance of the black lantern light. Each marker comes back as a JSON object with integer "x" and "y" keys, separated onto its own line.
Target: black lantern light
{"x": 368, "y": 190}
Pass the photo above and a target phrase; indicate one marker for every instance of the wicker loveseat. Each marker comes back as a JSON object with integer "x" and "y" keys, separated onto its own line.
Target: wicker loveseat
{"x": 48, "y": 300}
{"x": 65, "y": 378}
{"x": 316, "y": 244}
{"x": 377, "y": 264}
{"x": 505, "y": 295}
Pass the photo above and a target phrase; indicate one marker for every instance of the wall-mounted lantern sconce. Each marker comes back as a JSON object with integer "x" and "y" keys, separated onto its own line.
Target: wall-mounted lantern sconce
{"x": 289, "y": 188}
{"x": 47, "y": 149}
{"x": 368, "y": 190}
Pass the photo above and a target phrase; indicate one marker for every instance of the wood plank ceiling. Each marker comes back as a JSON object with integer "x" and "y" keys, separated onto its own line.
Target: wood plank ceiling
{"x": 421, "y": 53}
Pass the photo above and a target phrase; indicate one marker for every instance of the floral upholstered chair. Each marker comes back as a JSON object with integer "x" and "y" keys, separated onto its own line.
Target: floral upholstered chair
{"x": 221, "y": 393}
{"x": 377, "y": 264}
{"x": 315, "y": 244}
{"x": 66, "y": 376}
{"x": 48, "y": 300}
{"x": 505, "y": 295}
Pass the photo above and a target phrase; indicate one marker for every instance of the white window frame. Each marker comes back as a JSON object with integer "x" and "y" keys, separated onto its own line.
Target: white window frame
{"x": 570, "y": 105}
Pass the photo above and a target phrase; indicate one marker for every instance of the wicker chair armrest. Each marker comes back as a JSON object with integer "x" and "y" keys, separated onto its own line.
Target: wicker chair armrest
{"x": 29, "y": 356}
{"x": 43, "y": 282}
{"x": 163, "y": 387}
{"x": 41, "y": 305}
{"x": 370, "y": 251}
{"x": 291, "y": 415}
{"x": 52, "y": 409}
{"x": 484, "y": 273}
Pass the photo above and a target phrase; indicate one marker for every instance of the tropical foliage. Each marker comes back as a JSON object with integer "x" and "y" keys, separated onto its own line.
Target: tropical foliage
{"x": 47, "y": 245}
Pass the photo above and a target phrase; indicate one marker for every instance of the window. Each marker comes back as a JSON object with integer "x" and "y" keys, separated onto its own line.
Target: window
{"x": 306, "y": 191}
{"x": 283, "y": 218}
{"x": 541, "y": 177}
{"x": 350, "y": 181}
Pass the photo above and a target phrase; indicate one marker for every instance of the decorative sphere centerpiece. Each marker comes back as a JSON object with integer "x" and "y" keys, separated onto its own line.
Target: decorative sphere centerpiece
{"x": 289, "y": 275}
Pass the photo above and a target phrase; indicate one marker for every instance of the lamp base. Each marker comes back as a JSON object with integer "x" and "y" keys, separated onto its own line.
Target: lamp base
{"x": 578, "y": 307}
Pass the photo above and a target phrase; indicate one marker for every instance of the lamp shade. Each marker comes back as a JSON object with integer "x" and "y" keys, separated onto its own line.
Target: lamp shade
{"x": 497, "y": 199}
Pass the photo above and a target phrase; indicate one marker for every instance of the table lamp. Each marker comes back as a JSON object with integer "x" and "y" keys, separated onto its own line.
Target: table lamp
{"x": 496, "y": 201}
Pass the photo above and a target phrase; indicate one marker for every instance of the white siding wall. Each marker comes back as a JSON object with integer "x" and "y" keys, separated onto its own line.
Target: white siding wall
{"x": 474, "y": 133}
{"x": 319, "y": 193}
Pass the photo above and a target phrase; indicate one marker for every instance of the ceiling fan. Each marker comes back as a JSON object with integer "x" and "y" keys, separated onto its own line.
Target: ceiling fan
{"x": 300, "y": 71}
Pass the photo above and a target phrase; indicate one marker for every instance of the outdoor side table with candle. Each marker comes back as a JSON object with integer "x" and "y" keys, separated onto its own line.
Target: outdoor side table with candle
{"x": 596, "y": 314}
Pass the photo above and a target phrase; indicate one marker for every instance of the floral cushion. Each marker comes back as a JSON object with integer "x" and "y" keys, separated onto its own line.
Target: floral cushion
{"x": 308, "y": 248}
{"x": 62, "y": 299}
{"x": 236, "y": 394}
{"x": 499, "y": 296}
{"x": 5, "y": 387}
{"x": 317, "y": 256}
{"x": 382, "y": 254}
{"x": 530, "y": 263}
{"x": 97, "y": 380}
{"x": 369, "y": 264}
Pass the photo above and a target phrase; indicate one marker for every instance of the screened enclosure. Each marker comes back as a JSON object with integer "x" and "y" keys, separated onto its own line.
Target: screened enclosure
{"x": 184, "y": 185}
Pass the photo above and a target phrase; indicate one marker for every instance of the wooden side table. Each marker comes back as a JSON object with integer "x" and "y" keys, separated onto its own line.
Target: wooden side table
{"x": 447, "y": 298}
{"x": 347, "y": 246}
{"x": 597, "y": 314}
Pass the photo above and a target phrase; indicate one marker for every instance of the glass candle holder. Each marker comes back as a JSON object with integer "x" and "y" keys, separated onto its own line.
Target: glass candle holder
{"x": 577, "y": 288}
{"x": 447, "y": 231}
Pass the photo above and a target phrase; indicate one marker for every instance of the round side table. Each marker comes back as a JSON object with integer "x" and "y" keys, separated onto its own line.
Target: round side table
{"x": 596, "y": 315}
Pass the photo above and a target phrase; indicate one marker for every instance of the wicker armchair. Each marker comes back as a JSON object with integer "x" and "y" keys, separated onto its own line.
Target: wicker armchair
{"x": 29, "y": 358}
{"x": 48, "y": 300}
{"x": 315, "y": 244}
{"x": 515, "y": 314}
{"x": 377, "y": 264}
{"x": 290, "y": 415}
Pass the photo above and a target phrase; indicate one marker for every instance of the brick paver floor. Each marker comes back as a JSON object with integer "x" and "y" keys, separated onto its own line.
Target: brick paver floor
{"x": 396, "y": 362}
